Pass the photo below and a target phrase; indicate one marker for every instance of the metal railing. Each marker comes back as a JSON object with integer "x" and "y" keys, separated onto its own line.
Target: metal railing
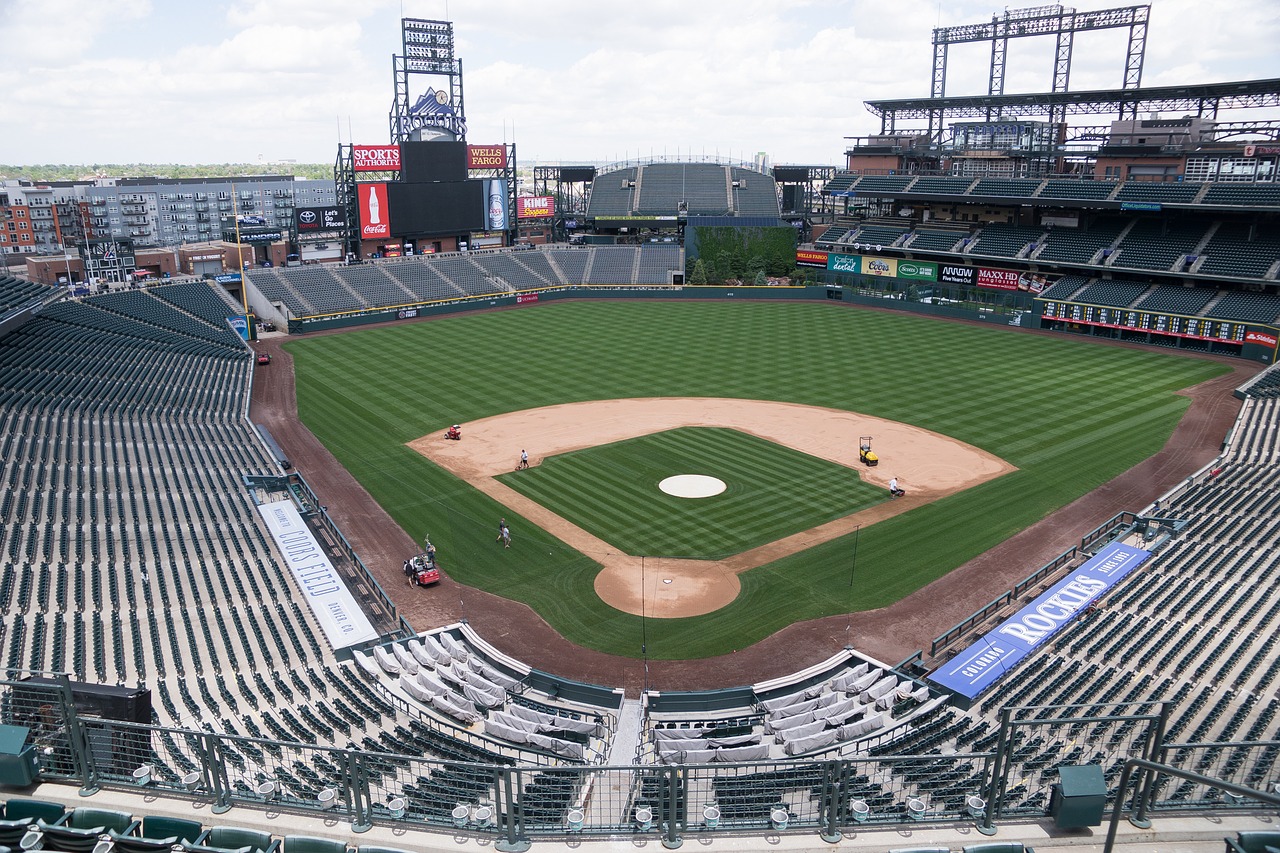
{"x": 513, "y": 804}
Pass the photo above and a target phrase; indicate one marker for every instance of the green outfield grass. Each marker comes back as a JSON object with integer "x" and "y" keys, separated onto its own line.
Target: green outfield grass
{"x": 771, "y": 491}
{"x": 1070, "y": 414}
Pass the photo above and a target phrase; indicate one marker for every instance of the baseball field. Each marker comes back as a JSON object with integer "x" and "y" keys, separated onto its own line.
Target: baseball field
{"x": 1063, "y": 415}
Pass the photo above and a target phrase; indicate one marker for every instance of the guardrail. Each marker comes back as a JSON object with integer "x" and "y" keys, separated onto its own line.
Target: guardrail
{"x": 416, "y": 782}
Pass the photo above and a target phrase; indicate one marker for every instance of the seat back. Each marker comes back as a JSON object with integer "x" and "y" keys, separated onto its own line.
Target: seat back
{"x": 34, "y": 810}
{"x": 997, "y": 847}
{"x": 311, "y": 844}
{"x": 99, "y": 819}
{"x": 171, "y": 829}
{"x": 1257, "y": 841}
{"x": 236, "y": 837}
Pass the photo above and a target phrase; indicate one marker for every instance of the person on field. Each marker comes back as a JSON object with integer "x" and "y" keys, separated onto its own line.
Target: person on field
{"x": 506, "y": 537}
{"x": 893, "y": 488}
{"x": 524, "y": 460}
{"x": 502, "y": 527}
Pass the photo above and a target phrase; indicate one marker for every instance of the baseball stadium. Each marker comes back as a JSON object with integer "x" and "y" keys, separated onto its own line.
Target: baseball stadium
{"x": 922, "y": 504}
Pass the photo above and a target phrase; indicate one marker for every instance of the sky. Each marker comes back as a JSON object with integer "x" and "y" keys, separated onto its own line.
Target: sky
{"x": 568, "y": 81}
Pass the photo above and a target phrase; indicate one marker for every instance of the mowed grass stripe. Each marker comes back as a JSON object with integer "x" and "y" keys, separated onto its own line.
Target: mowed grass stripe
{"x": 613, "y": 491}
{"x": 1049, "y": 405}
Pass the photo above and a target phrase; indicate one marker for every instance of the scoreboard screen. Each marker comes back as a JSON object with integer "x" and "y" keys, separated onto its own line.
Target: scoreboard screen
{"x": 1177, "y": 325}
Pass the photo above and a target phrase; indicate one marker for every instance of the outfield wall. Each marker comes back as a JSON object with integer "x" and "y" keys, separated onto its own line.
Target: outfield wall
{"x": 825, "y": 292}
{"x": 1014, "y": 309}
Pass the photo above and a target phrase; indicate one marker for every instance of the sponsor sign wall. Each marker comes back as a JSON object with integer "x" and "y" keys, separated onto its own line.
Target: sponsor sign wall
{"x": 318, "y": 219}
{"x": 495, "y": 208}
{"x": 375, "y": 222}
{"x": 997, "y": 279}
{"x": 991, "y": 657}
{"x": 918, "y": 270}
{"x": 948, "y": 274}
{"x": 1264, "y": 338}
{"x": 375, "y": 158}
{"x": 845, "y": 263}
{"x": 486, "y": 156}
{"x": 806, "y": 258}
{"x": 887, "y": 267}
{"x": 335, "y": 609}
{"x": 535, "y": 206}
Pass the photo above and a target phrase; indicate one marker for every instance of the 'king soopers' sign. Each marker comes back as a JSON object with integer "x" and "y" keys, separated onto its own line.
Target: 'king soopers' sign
{"x": 979, "y": 666}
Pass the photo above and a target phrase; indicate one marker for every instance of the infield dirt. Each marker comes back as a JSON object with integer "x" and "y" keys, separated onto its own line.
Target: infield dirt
{"x": 927, "y": 465}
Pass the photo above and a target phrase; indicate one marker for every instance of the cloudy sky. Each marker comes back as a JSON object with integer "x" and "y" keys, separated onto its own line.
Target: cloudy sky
{"x": 216, "y": 81}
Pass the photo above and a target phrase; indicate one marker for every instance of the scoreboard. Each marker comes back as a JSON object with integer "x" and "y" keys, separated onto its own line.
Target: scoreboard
{"x": 1177, "y": 325}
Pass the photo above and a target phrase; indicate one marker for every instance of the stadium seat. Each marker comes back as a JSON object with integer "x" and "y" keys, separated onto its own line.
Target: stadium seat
{"x": 1254, "y": 841}
{"x": 20, "y": 815}
{"x": 79, "y": 830}
{"x": 156, "y": 834}
{"x": 233, "y": 839}
{"x": 311, "y": 844}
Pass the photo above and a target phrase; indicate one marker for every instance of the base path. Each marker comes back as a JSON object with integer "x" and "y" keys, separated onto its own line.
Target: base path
{"x": 927, "y": 465}
{"x": 890, "y": 633}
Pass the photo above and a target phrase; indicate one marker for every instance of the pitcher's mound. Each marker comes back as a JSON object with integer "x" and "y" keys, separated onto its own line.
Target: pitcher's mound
{"x": 692, "y": 486}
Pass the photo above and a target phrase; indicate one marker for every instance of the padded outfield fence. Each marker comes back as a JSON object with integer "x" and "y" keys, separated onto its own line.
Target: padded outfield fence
{"x": 392, "y": 783}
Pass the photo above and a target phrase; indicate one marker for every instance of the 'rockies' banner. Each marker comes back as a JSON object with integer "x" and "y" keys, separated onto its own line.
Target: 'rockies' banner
{"x": 318, "y": 219}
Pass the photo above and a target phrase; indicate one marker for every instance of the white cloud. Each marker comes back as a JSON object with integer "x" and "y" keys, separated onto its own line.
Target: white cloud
{"x": 172, "y": 81}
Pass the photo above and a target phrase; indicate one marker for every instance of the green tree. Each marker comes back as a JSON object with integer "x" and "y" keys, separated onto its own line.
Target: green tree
{"x": 699, "y": 274}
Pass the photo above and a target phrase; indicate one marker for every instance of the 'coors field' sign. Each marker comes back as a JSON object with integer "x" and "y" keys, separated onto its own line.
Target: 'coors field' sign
{"x": 375, "y": 158}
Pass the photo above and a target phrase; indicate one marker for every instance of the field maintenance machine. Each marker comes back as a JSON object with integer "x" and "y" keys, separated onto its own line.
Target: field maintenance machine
{"x": 866, "y": 455}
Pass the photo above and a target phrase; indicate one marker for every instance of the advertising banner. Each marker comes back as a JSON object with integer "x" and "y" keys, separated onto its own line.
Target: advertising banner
{"x": 240, "y": 325}
{"x": 525, "y": 298}
{"x": 318, "y": 219}
{"x": 332, "y": 604}
{"x": 495, "y": 210}
{"x": 375, "y": 158}
{"x": 918, "y": 270}
{"x": 991, "y": 657}
{"x": 805, "y": 258}
{"x": 998, "y": 279}
{"x": 227, "y": 278}
{"x": 372, "y": 200}
{"x": 1034, "y": 282}
{"x": 535, "y": 206}
{"x": 486, "y": 156}
{"x": 845, "y": 263}
{"x": 887, "y": 267}
{"x": 1254, "y": 337}
{"x": 407, "y": 313}
{"x": 956, "y": 275}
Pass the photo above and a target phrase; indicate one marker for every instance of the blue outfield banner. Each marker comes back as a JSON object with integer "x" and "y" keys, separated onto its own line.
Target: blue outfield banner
{"x": 996, "y": 654}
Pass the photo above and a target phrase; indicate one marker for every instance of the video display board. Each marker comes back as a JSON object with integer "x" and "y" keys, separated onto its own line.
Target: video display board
{"x": 445, "y": 207}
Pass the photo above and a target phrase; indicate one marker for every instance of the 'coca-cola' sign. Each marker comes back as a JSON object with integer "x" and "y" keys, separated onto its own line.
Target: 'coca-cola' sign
{"x": 372, "y": 201}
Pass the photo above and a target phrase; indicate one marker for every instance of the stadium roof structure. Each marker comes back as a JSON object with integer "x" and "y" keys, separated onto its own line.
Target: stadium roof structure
{"x": 1201, "y": 99}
